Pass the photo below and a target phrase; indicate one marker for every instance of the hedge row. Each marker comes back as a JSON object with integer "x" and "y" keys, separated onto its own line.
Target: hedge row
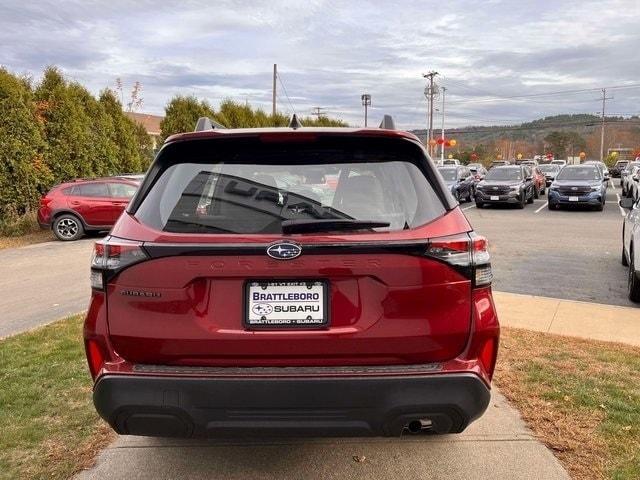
{"x": 57, "y": 131}
{"x": 182, "y": 113}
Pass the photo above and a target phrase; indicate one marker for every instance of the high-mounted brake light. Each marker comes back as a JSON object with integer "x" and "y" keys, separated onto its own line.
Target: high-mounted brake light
{"x": 468, "y": 253}
{"x": 112, "y": 255}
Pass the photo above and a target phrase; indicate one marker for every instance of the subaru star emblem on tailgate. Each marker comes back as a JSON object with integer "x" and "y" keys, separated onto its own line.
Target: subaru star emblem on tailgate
{"x": 284, "y": 250}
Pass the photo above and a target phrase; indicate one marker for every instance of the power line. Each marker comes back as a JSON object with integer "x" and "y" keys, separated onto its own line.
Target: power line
{"x": 546, "y": 94}
{"x": 285, "y": 92}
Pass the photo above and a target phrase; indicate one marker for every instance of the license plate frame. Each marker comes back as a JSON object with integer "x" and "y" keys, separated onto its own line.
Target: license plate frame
{"x": 291, "y": 323}
{"x": 494, "y": 198}
{"x": 574, "y": 199}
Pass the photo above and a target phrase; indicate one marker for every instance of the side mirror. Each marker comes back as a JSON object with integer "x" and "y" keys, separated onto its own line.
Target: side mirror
{"x": 627, "y": 203}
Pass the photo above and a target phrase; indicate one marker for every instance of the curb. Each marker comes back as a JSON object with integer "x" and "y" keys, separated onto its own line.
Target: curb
{"x": 596, "y": 321}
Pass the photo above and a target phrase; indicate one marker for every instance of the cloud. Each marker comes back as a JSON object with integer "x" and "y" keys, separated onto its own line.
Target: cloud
{"x": 329, "y": 52}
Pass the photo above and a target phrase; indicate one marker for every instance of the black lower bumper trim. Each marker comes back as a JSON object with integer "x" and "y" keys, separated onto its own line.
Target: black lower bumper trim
{"x": 303, "y": 406}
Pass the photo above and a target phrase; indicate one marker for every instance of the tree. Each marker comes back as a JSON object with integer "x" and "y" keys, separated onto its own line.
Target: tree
{"x": 65, "y": 128}
{"x": 23, "y": 174}
{"x": 181, "y": 115}
{"x": 128, "y": 155}
{"x": 563, "y": 144}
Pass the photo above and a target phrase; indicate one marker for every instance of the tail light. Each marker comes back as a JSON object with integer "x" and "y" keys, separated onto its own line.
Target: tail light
{"x": 111, "y": 256}
{"x": 467, "y": 253}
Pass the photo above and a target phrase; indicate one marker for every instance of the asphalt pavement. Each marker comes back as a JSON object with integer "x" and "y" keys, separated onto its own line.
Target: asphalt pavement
{"x": 498, "y": 445}
{"x": 42, "y": 283}
{"x": 570, "y": 254}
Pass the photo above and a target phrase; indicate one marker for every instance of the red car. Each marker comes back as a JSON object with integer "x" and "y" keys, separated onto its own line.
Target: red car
{"x": 238, "y": 295}
{"x": 539, "y": 181}
{"x": 73, "y": 208}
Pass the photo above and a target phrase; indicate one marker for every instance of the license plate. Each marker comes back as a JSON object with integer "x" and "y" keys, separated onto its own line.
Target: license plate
{"x": 495, "y": 197}
{"x": 573, "y": 199}
{"x": 292, "y": 304}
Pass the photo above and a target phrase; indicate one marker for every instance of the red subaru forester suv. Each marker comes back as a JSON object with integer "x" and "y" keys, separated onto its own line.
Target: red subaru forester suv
{"x": 291, "y": 281}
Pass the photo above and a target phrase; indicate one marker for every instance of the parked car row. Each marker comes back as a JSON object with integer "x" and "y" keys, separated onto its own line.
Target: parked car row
{"x": 631, "y": 246}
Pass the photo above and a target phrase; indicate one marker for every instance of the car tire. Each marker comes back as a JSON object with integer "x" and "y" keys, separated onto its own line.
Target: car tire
{"x": 634, "y": 282}
{"x": 67, "y": 227}
{"x": 530, "y": 199}
{"x": 520, "y": 205}
{"x": 536, "y": 192}
{"x": 479, "y": 205}
{"x": 600, "y": 207}
{"x": 551, "y": 206}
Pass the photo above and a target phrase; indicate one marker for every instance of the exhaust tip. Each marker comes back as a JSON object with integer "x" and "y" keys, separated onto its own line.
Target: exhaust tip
{"x": 418, "y": 426}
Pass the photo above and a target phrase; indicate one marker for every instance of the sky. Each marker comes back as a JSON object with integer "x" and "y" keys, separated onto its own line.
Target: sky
{"x": 329, "y": 52}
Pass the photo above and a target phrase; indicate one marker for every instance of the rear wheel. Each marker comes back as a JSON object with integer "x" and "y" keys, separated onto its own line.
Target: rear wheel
{"x": 536, "y": 192}
{"x": 68, "y": 227}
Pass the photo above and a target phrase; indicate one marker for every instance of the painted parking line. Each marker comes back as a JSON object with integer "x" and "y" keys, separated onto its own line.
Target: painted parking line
{"x": 467, "y": 208}
{"x": 543, "y": 206}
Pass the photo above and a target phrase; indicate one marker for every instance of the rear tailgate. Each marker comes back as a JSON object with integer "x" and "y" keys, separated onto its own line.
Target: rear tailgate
{"x": 383, "y": 308}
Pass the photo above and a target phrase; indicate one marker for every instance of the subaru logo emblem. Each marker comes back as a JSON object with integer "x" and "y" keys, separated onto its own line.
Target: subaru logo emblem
{"x": 284, "y": 250}
{"x": 495, "y": 188}
{"x": 574, "y": 188}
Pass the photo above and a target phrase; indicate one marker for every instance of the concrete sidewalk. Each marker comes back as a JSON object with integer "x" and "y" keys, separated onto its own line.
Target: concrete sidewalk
{"x": 595, "y": 321}
{"x": 499, "y": 446}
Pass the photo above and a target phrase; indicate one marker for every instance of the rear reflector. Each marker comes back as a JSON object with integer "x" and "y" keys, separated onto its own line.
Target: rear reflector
{"x": 95, "y": 357}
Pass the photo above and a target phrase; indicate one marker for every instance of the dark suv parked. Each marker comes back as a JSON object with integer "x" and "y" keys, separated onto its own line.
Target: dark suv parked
{"x": 460, "y": 182}
{"x": 73, "y": 208}
{"x": 506, "y": 185}
{"x": 291, "y": 281}
{"x": 578, "y": 185}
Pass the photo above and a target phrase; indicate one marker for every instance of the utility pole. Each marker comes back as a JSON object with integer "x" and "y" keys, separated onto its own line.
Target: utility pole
{"x": 604, "y": 99}
{"x": 275, "y": 76}
{"x": 444, "y": 90}
{"x": 429, "y": 93}
{"x": 317, "y": 111}
{"x": 366, "y": 103}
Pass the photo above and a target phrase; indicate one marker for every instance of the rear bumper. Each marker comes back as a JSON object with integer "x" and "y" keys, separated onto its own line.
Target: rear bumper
{"x": 285, "y": 406}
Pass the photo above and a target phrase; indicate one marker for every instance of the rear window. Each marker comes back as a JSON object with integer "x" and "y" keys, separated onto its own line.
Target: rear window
{"x": 579, "y": 173}
{"x": 255, "y": 192}
{"x": 448, "y": 174}
{"x": 504, "y": 174}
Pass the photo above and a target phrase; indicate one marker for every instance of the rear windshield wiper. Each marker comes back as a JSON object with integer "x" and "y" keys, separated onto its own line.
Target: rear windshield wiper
{"x": 328, "y": 225}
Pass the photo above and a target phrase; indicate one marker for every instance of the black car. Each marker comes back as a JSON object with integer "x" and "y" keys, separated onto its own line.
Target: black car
{"x": 460, "y": 181}
{"x": 507, "y": 185}
{"x": 550, "y": 171}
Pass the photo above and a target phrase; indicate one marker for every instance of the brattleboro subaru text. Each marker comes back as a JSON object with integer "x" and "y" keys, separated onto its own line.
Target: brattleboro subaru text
{"x": 291, "y": 281}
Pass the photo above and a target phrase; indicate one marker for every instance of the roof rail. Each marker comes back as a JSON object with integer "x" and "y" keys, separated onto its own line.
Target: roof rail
{"x": 294, "y": 122}
{"x": 205, "y": 123}
{"x": 387, "y": 123}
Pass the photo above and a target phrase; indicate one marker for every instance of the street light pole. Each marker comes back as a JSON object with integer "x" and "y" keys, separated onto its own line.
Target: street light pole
{"x": 444, "y": 90}
{"x": 366, "y": 102}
